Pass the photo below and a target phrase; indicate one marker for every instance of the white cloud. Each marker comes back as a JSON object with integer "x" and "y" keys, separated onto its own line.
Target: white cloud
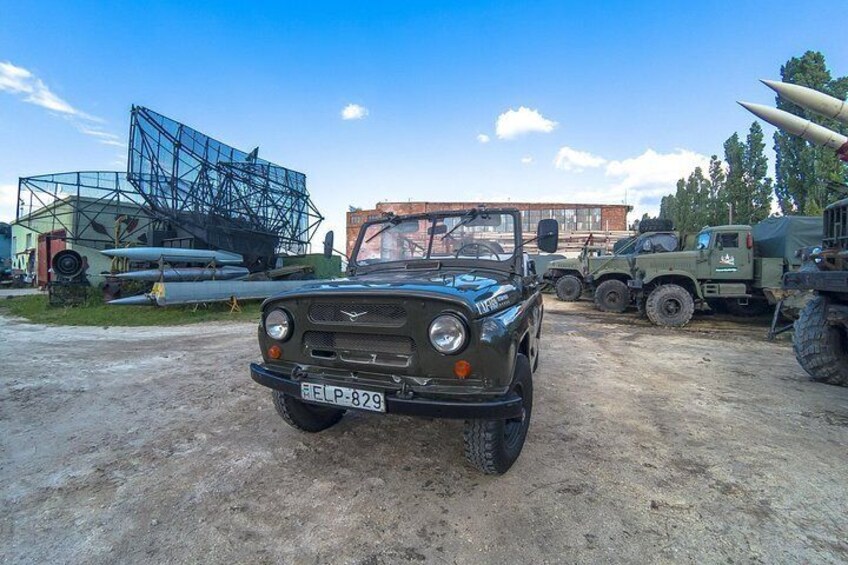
{"x": 20, "y": 81}
{"x": 569, "y": 159}
{"x": 514, "y": 123}
{"x": 8, "y": 202}
{"x": 23, "y": 83}
{"x": 483, "y": 138}
{"x": 527, "y": 160}
{"x": 354, "y": 112}
{"x": 660, "y": 170}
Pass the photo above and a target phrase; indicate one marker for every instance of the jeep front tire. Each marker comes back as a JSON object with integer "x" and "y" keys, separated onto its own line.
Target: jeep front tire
{"x": 492, "y": 446}
{"x": 305, "y": 417}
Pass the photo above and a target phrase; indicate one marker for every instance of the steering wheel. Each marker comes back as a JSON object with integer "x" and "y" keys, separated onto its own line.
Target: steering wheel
{"x": 479, "y": 246}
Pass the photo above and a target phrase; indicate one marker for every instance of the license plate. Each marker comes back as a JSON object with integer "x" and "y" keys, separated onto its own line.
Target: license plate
{"x": 344, "y": 396}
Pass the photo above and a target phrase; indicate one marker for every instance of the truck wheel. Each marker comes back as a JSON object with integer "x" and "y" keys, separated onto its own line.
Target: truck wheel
{"x": 569, "y": 288}
{"x": 821, "y": 349}
{"x": 612, "y": 296}
{"x": 670, "y": 305}
{"x": 492, "y": 446}
{"x": 305, "y": 417}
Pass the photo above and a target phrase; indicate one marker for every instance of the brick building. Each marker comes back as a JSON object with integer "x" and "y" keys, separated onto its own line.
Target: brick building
{"x": 607, "y": 223}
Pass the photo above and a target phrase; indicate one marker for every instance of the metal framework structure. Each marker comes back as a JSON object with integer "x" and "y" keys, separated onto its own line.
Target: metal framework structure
{"x": 224, "y": 197}
{"x": 97, "y": 209}
{"x": 179, "y": 184}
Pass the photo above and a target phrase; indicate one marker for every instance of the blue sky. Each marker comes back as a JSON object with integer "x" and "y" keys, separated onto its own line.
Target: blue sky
{"x": 597, "y": 101}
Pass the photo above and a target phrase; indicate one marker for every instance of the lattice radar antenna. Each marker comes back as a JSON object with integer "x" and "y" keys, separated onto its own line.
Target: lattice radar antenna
{"x": 225, "y": 197}
{"x": 180, "y": 183}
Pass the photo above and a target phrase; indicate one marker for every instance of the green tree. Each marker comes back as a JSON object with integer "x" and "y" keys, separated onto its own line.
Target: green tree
{"x": 717, "y": 201}
{"x": 691, "y": 201}
{"x": 735, "y": 190}
{"x": 758, "y": 186}
{"x": 668, "y": 207}
{"x": 802, "y": 170}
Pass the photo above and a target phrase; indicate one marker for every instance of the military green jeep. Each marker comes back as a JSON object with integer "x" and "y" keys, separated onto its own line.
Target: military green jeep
{"x": 440, "y": 316}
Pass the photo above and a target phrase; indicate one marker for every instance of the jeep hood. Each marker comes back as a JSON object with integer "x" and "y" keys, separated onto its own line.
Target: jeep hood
{"x": 480, "y": 293}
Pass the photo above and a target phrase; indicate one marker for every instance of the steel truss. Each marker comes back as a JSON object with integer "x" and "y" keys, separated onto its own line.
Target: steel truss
{"x": 223, "y": 196}
{"x": 86, "y": 206}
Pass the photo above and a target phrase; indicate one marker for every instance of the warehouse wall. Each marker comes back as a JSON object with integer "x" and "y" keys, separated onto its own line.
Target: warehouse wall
{"x": 611, "y": 219}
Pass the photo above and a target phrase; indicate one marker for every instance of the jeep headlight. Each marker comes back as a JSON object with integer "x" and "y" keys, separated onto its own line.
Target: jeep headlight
{"x": 448, "y": 334}
{"x": 278, "y": 324}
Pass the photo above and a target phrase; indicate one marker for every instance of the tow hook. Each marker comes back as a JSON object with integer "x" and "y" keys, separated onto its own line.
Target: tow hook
{"x": 298, "y": 373}
{"x": 404, "y": 392}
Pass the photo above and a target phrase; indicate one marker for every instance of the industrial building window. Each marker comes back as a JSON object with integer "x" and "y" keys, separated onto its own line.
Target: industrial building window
{"x": 530, "y": 220}
{"x": 355, "y": 220}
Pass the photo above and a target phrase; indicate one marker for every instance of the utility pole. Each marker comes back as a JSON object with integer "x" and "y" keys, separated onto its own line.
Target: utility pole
{"x": 730, "y": 212}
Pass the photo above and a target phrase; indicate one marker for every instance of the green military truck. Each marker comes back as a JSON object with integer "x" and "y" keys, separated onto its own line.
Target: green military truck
{"x": 738, "y": 266}
{"x": 820, "y": 340}
{"x": 605, "y": 276}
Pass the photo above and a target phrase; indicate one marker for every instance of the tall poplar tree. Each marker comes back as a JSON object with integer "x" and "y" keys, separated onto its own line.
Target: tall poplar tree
{"x": 802, "y": 170}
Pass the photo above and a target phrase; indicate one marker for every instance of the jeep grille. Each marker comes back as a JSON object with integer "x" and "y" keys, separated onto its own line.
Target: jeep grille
{"x": 365, "y": 343}
{"x": 370, "y": 314}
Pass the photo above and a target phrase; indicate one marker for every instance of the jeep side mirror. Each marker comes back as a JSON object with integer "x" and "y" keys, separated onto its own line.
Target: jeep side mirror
{"x": 547, "y": 235}
{"x": 328, "y": 244}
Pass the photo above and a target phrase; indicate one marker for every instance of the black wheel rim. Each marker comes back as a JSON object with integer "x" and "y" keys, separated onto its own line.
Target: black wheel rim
{"x": 672, "y": 307}
{"x": 514, "y": 427}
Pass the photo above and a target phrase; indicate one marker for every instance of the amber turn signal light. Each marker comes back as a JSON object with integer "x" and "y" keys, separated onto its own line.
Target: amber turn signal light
{"x": 462, "y": 369}
{"x": 274, "y": 352}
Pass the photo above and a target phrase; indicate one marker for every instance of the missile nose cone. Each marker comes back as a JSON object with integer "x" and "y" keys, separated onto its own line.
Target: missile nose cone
{"x": 796, "y": 125}
{"x": 763, "y": 112}
{"x": 773, "y": 84}
{"x": 813, "y": 100}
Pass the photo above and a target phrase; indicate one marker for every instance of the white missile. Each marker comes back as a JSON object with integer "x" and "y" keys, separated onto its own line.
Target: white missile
{"x": 792, "y": 124}
{"x": 813, "y": 100}
{"x": 173, "y": 254}
{"x": 186, "y": 274}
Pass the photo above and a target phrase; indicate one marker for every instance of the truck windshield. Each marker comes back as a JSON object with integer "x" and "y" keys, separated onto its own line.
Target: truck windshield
{"x": 703, "y": 241}
{"x": 475, "y": 235}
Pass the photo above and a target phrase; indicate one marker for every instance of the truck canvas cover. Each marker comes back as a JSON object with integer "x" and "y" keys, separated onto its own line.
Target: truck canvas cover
{"x": 783, "y": 237}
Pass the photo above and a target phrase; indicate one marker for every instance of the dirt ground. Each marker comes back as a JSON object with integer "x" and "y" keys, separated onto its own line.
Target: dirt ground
{"x": 706, "y": 444}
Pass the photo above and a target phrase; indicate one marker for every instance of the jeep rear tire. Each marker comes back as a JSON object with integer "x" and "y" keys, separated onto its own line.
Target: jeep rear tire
{"x": 670, "y": 305}
{"x": 492, "y": 446}
{"x": 612, "y": 296}
{"x": 305, "y": 417}
{"x": 569, "y": 288}
{"x": 821, "y": 348}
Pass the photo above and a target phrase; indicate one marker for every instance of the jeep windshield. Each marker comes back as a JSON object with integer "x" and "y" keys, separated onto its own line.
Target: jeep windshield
{"x": 476, "y": 235}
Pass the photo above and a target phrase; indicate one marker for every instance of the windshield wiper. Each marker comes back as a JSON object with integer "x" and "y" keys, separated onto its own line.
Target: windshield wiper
{"x": 472, "y": 214}
{"x": 392, "y": 223}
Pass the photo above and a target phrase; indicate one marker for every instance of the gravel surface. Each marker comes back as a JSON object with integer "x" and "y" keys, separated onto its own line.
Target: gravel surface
{"x": 705, "y": 444}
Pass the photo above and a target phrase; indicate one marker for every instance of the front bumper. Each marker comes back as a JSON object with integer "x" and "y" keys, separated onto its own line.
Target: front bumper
{"x": 498, "y": 409}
